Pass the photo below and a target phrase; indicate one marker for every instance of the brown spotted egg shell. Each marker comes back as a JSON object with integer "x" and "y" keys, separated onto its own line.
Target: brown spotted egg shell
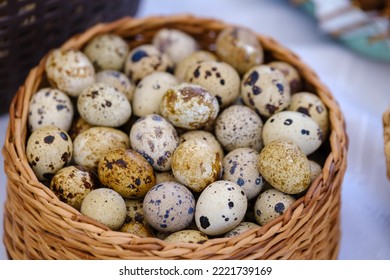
{"x": 134, "y": 210}
{"x": 136, "y": 228}
{"x": 169, "y": 207}
{"x": 72, "y": 183}
{"x": 188, "y": 236}
{"x": 285, "y": 167}
{"x": 118, "y": 80}
{"x": 196, "y": 164}
{"x": 291, "y": 74}
{"x": 205, "y": 135}
{"x": 126, "y": 172}
{"x": 69, "y": 70}
{"x": 271, "y": 204}
{"x": 189, "y": 106}
{"x": 48, "y": 149}
{"x": 155, "y": 139}
{"x": 188, "y": 62}
{"x": 92, "y": 144}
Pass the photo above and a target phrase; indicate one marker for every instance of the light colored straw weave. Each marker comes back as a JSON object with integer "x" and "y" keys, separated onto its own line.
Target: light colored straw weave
{"x": 37, "y": 225}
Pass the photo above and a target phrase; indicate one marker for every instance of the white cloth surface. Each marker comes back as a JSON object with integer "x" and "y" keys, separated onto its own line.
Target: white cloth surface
{"x": 359, "y": 84}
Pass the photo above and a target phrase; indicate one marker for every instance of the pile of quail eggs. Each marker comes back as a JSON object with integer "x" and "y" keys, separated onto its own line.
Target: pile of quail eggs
{"x": 172, "y": 141}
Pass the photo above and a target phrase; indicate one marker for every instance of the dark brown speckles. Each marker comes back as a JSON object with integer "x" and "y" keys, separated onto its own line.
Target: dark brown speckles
{"x": 49, "y": 139}
{"x": 64, "y": 136}
{"x": 65, "y": 157}
{"x": 303, "y": 110}
{"x": 252, "y": 79}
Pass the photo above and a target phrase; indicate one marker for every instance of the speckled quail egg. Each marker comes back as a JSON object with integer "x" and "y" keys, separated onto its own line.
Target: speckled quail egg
{"x": 238, "y": 126}
{"x": 241, "y": 228}
{"x": 291, "y": 74}
{"x": 297, "y": 127}
{"x": 285, "y": 167}
{"x": 118, "y": 80}
{"x": 107, "y": 51}
{"x": 241, "y": 166}
{"x": 169, "y": 207}
{"x": 166, "y": 176}
{"x": 149, "y": 92}
{"x": 50, "y": 106}
{"x": 220, "y": 208}
{"x": 78, "y": 126}
{"x": 175, "y": 43}
{"x": 136, "y": 228}
{"x": 311, "y": 105}
{"x": 218, "y": 77}
{"x": 189, "y": 106}
{"x": 90, "y": 145}
{"x": 72, "y": 183}
{"x": 189, "y": 61}
{"x": 135, "y": 210}
{"x": 205, "y": 135}
{"x": 188, "y": 236}
{"x": 315, "y": 170}
{"x": 48, "y": 149}
{"x": 69, "y": 70}
{"x": 196, "y": 164}
{"x": 266, "y": 90}
{"x": 126, "y": 172}
{"x": 239, "y": 47}
{"x": 155, "y": 139}
{"x": 145, "y": 59}
{"x": 271, "y": 204}
{"x": 106, "y": 206}
{"x": 104, "y": 105}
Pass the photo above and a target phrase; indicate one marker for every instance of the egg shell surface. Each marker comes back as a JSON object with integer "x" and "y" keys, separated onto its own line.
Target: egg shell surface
{"x": 187, "y": 236}
{"x": 118, "y": 80}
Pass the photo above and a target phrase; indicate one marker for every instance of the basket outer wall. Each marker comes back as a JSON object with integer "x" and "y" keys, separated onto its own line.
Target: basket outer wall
{"x": 38, "y": 226}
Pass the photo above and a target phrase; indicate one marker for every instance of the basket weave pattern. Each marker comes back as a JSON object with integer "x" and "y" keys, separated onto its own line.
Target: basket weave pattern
{"x": 37, "y": 225}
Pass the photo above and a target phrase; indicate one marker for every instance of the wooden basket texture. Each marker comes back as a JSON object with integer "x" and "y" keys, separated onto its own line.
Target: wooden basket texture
{"x": 37, "y": 225}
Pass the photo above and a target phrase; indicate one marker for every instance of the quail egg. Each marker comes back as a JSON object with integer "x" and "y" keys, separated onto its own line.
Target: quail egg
{"x": 126, "y": 172}
{"x": 315, "y": 170}
{"x": 78, "y": 126}
{"x": 189, "y": 61}
{"x": 118, "y": 80}
{"x": 106, "y": 206}
{"x": 69, "y": 70}
{"x": 136, "y": 228}
{"x": 188, "y": 236}
{"x": 241, "y": 228}
{"x": 266, "y": 90}
{"x": 104, "y": 105}
{"x": 291, "y": 74}
{"x": 238, "y": 126}
{"x": 205, "y": 135}
{"x": 155, "y": 139}
{"x": 135, "y": 210}
{"x": 48, "y": 149}
{"x": 271, "y": 204}
{"x": 50, "y": 106}
{"x": 285, "y": 167}
{"x": 72, "y": 183}
{"x": 169, "y": 207}
{"x": 166, "y": 176}
{"x": 220, "y": 207}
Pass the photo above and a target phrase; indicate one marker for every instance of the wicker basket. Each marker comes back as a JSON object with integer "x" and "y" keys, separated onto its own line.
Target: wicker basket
{"x": 37, "y": 225}
{"x": 29, "y": 28}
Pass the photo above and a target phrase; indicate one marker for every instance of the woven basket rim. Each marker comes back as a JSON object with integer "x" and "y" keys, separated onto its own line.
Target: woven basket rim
{"x": 16, "y": 137}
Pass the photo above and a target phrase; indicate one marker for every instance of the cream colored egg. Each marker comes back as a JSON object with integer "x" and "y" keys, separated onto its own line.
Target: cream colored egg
{"x": 291, "y": 74}
{"x": 315, "y": 170}
{"x": 220, "y": 207}
{"x": 271, "y": 204}
{"x": 190, "y": 61}
{"x": 136, "y": 228}
{"x": 310, "y": 104}
{"x": 50, "y": 106}
{"x": 189, "y": 106}
{"x": 205, "y": 135}
{"x": 95, "y": 142}
{"x": 187, "y": 236}
{"x": 166, "y": 176}
{"x": 196, "y": 164}
{"x": 69, "y": 70}
{"x": 72, "y": 183}
{"x": 106, "y": 206}
{"x": 266, "y": 90}
{"x": 48, "y": 149}
{"x": 118, "y": 80}
{"x": 241, "y": 228}
{"x": 169, "y": 207}
{"x": 218, "y": 77}
{"x": 175, "y": 43}
{"x": 145, "y": 59}
{"x": 155, "y": 139}
{"x": 241, "y": 166}
{"x": 238, "y": 126}
{"x": 104, "y": 105}
{"x": 149, "y": 92}
{"x": 296, "y": 127}
{"x": 285, "y": 167}
{"x": 107, "y": 51}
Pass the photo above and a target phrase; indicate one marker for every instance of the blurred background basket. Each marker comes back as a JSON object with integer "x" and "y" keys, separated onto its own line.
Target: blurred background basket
{"x": 37, "y": 225}
{"x": 29, "y": 28}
